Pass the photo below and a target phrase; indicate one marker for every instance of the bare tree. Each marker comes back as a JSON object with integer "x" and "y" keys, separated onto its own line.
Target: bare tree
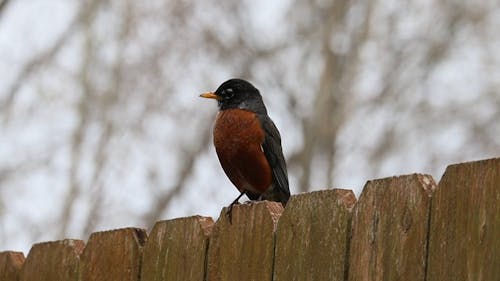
{"x": 358, "y": 89}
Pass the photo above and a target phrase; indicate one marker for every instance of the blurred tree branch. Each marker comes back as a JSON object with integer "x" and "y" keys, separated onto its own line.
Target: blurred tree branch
{"x": 84, "y": 109}
{"x": 3, "y": 5}
{"x": 332, "y": 102}
{"x": 110, "y": 99}
{"x": 358, "y": 87}
{"x": 42, "y": 58}
{"x": 188, "y": 161}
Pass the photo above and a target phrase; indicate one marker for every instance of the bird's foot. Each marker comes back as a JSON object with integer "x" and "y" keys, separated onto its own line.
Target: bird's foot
{"x": 229, "y": 212}
{"x": 249, "y": 202}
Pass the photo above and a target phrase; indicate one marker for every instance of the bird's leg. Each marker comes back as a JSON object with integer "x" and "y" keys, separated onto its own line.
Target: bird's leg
{"x": 251, "y": 201}
{"x": 230, "y": 208}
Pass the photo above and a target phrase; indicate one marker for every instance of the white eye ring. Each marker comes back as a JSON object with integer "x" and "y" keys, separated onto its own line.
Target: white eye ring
{"x": 229, "y": 93}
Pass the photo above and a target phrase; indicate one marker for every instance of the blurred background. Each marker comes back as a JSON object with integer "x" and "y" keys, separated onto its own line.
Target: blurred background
{"x": 101, "y": 125}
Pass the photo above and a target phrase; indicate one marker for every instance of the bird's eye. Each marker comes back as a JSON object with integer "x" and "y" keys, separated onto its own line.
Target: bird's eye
{"x": 228, "y": 93}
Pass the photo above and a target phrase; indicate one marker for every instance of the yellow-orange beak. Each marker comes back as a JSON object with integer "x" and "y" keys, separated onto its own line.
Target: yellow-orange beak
{"x": 210, "y": 95}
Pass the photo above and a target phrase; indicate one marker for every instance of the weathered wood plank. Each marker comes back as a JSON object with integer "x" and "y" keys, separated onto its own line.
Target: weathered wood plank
{"x": 465, "y": 223}
{"x": 176, "y": 250}
{"x": 312, "y": 240}
{"x": 390, "y": 228}
{"x": 10, "y": 265}
{"x": 55, "y": 260}
{"x": 244, "y": 250}
{"x": 113, "y": 255}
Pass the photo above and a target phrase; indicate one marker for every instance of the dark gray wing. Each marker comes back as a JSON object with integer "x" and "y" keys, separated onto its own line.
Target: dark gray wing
{"x": 274, "y": 154}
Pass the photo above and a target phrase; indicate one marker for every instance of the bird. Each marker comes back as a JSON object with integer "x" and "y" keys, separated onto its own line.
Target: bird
{"x": 248, "y": 143}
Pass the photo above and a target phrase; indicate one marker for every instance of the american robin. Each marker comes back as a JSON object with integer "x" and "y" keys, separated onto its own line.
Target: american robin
{"x": 248, "y": 143}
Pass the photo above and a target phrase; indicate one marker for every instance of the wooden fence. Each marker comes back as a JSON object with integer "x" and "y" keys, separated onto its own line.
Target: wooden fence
{"x": 401, "y": 228}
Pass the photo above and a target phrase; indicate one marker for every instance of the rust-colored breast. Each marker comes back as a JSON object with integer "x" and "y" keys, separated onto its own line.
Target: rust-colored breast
{"x": 238, "y": 137}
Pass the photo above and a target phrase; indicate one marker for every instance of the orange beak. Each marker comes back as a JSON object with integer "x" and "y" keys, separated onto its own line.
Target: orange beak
{"x": 210, "y": 95}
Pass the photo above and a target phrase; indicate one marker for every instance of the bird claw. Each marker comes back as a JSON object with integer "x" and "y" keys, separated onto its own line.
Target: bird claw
{"x": 229, "y": 212}
{"x": 230, "y": 208}
{"x": 249, "y": 202}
